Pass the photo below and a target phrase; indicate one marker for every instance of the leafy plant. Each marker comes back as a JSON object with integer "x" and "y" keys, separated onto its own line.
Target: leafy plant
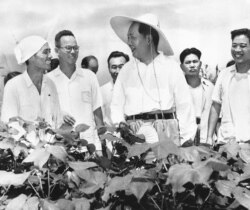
{"x": 42, "y": 168}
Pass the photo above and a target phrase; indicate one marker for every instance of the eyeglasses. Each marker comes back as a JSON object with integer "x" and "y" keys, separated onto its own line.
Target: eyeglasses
{"x": 116, "y": 66}
{"x": 69, "y": 48}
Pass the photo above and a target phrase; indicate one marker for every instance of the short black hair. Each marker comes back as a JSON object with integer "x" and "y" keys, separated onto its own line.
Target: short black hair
{"x": 116, "y": 54}
{"x": 242, "y": 31}
{"x": 60, "y": 34}
{"x": 10, "y": 76}
{"x": 148, "y": 30}
{"x": 86, "y": 60}
{"x": 189, "y": 51}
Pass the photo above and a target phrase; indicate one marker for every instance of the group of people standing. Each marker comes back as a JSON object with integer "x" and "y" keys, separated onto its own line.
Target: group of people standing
{"x": 150, "y": 92}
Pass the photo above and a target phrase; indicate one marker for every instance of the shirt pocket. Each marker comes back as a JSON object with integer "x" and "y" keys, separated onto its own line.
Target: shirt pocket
{"x": 86, "y": 96}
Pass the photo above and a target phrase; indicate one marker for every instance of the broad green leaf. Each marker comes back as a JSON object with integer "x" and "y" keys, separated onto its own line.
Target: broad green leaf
{"x": 89, "y": 188}
{"x": 64, "y": 204}
{"x": 5, "y": 134}
{"x": 138, "y": 149}
{"x": 81, "y": 203}
{"x": 81, "y": 128}
{"x": 82, "y": 165}
{"x": 94, "y": 177}
{"x": 31, "y": 203}
{"x": 17, "y": 203}
{"x": 49, "y": 205}
{"x": 231, "y": 148}
{"x": 242, "y": 195}
{"x": 245, "y": 154}
{"x": 7, "y": 144}
{"x": 180, "y": 174}
{"x": 140, "y": 188}
{"x": 109, "y": 137}
{"x": 39, "y": 156}
{"x": 20, "y": 148}
{"x": 9, "y": 178}
{"x": 33, "y": 138}
{"x": 164, "y": 148}
{"x": 225, "y": 187}
{"x": 116, "y": 184}
{"x": 217, "y": 165}
{"x": 190, "y": 154}
{"x": 57, "y": 151}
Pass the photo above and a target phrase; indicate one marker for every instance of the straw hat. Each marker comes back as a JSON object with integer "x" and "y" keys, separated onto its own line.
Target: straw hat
{"x": 121, "y": 24}
{"x": 27, "y": 47}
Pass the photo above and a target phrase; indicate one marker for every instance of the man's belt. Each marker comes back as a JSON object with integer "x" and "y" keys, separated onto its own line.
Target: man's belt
{"x": 147, "y": 116}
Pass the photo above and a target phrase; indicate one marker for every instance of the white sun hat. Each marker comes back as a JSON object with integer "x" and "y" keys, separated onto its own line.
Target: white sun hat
{"x": 27, "y": 47}
{"x": 121, "y": 24}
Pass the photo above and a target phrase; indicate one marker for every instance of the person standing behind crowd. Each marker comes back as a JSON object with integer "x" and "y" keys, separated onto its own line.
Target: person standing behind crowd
{"x": 116, "y": 61}
{"x": 151, "y": 88}
{"x": 90, "y": 62}
{"x": 78, "y": 90}
{"x": 231, "y": 93}
{"x": 201, "y": 90}
{"x": 32, "y": 94}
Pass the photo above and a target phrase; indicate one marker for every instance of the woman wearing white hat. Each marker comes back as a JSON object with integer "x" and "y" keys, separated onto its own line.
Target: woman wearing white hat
{"x": 151, "y": 89}
{"x": 32, "y": 94}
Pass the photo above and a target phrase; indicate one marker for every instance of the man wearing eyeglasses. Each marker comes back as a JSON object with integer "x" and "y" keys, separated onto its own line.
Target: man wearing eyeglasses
{"x": 116, "y": 61}
{"x": 78, "y": 90}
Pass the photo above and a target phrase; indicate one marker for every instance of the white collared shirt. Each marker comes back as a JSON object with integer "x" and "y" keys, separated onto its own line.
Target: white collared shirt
{"x": 139, "y": 88}
{"x": 79, "y": 97}
{"x": 21, "y": 98}
{"x": 232, "y": 91}
{"x": 107, "y": 92}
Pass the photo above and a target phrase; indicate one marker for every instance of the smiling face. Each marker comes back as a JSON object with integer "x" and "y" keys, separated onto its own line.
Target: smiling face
{"x": 68, "y": 50}
{"x": 191, "y": 65}
{"x": 42, "y": 58}
{"x": 240, "y": 49}
{"x": 137, "y": 42}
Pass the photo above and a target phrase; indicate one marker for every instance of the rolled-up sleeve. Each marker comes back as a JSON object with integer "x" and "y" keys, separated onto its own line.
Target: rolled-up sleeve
{"x": 184, "y": 108}
{"x": 117, "y": 103}
{"x": 10, "y": 102}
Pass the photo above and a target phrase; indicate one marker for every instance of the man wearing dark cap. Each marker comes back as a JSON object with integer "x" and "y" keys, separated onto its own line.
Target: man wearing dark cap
{"x": 201, "y": 90}
{"x": 150, "y": 92}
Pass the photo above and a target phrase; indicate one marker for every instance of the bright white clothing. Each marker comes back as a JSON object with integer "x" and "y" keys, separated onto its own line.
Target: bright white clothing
{"x": 107, "y": 92}
{"x": 79, "y": 97}
{"x": 21, "y": 98}
{"x": 232, "y": 91}
{"x": 196, "y": 94}
{"x": 161, "y": 85}
{"x": 203, "y": 106}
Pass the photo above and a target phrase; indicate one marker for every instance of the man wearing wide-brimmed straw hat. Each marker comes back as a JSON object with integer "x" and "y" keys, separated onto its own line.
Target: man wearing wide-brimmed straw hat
{"x": 151, "y": 91}
{"x": 32, "y": 94}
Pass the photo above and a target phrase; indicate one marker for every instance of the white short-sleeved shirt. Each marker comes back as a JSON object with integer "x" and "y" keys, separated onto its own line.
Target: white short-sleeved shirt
{"x": 21, "y": 98}
{"x": 139, "y": 88}
{"x": 232, "y": 91}
{"x": 79, "y": 97}
{"x": 107, "y": 92}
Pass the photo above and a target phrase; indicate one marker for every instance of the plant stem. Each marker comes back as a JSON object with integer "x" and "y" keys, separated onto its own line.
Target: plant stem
{"x": 155, "y": 203}
{"x": 34, "y": 190}
{"x": 158, "y": 186}
{"x": 48, "y": 185}
{"x": 6, "y": 190}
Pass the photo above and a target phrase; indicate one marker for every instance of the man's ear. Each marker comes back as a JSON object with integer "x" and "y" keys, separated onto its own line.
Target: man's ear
{"x": 182, "y": 66}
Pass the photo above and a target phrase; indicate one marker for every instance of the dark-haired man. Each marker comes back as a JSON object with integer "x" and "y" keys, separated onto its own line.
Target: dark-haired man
{"x": 78, "y": 90}
{"x": 151, "y": 89}
{"x": 116, "y": 61}
{"x": 90, "y": 62}
{"x": 201, "y": 90}
{"x": 231, "y": 93}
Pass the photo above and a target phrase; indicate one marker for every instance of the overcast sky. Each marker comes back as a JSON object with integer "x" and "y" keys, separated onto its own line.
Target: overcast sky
{"x": 205, "y": 24}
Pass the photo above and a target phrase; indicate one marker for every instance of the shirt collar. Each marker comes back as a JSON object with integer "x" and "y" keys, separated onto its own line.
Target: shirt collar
{"x": 27, "y": 79}
{"x": 78, "y": 72}
{"x": 232, "y": 69}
